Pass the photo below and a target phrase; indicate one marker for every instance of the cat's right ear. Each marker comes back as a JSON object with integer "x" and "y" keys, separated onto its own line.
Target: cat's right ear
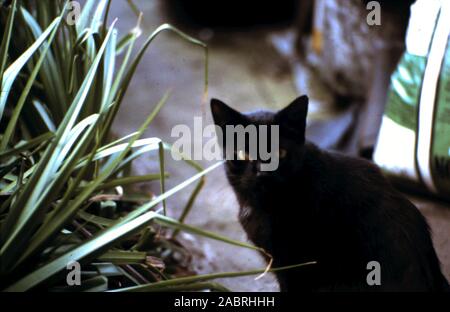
{"x": 224, "y": 115}
{"x": 292, "y": 119}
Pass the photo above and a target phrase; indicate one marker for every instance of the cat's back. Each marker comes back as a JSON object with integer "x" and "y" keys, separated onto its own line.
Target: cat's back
{"x": 338, "y": 175}
{"x": 390, "y": 228}
{"x": 358, "y": 189}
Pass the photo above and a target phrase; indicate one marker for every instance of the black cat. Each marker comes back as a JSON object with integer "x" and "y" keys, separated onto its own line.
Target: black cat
{"x": 330, "y": 208}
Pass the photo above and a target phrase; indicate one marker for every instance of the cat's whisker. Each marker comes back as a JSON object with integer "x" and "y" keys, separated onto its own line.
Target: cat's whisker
{"x": 268, "y": 267}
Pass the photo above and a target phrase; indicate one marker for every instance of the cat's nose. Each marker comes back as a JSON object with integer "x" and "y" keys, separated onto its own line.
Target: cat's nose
{"x": 261, "y": 174}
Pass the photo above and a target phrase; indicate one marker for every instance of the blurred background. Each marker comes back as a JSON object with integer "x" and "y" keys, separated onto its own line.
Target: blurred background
{"x": 263, "y": 56}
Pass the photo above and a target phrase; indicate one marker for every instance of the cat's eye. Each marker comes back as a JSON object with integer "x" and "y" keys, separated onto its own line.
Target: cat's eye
{"x": 242, "y": 155}
{"x": 282, "y": 153}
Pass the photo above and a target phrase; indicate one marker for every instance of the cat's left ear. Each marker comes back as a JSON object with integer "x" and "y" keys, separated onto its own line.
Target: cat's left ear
{"x": 224, "y": 115}
{"x": 292, "y": 119}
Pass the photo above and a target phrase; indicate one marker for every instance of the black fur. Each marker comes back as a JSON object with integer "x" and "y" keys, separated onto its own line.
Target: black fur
{"x": 330, "y": 208}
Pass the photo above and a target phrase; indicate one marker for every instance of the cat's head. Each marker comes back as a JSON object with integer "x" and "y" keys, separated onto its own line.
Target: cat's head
{"x": 279, "y": 138}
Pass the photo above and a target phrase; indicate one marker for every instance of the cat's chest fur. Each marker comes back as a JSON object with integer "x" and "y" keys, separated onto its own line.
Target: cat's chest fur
{"x": 278, "y": 213}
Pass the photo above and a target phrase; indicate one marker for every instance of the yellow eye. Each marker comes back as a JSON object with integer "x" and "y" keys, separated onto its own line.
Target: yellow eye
{"x": 242, "y": 155}
{"x": 282, "y": 153}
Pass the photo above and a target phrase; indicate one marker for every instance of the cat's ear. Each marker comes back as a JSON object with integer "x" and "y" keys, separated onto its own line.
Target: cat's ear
{"x": 292, "y": 119}
{"x": 224, "y": 115}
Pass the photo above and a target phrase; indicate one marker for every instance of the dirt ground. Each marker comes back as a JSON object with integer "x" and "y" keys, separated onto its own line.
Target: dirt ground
{"x": 246, "y": 72}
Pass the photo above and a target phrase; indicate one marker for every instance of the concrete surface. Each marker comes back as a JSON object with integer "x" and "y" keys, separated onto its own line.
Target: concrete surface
{"x": 246, "y": 72}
